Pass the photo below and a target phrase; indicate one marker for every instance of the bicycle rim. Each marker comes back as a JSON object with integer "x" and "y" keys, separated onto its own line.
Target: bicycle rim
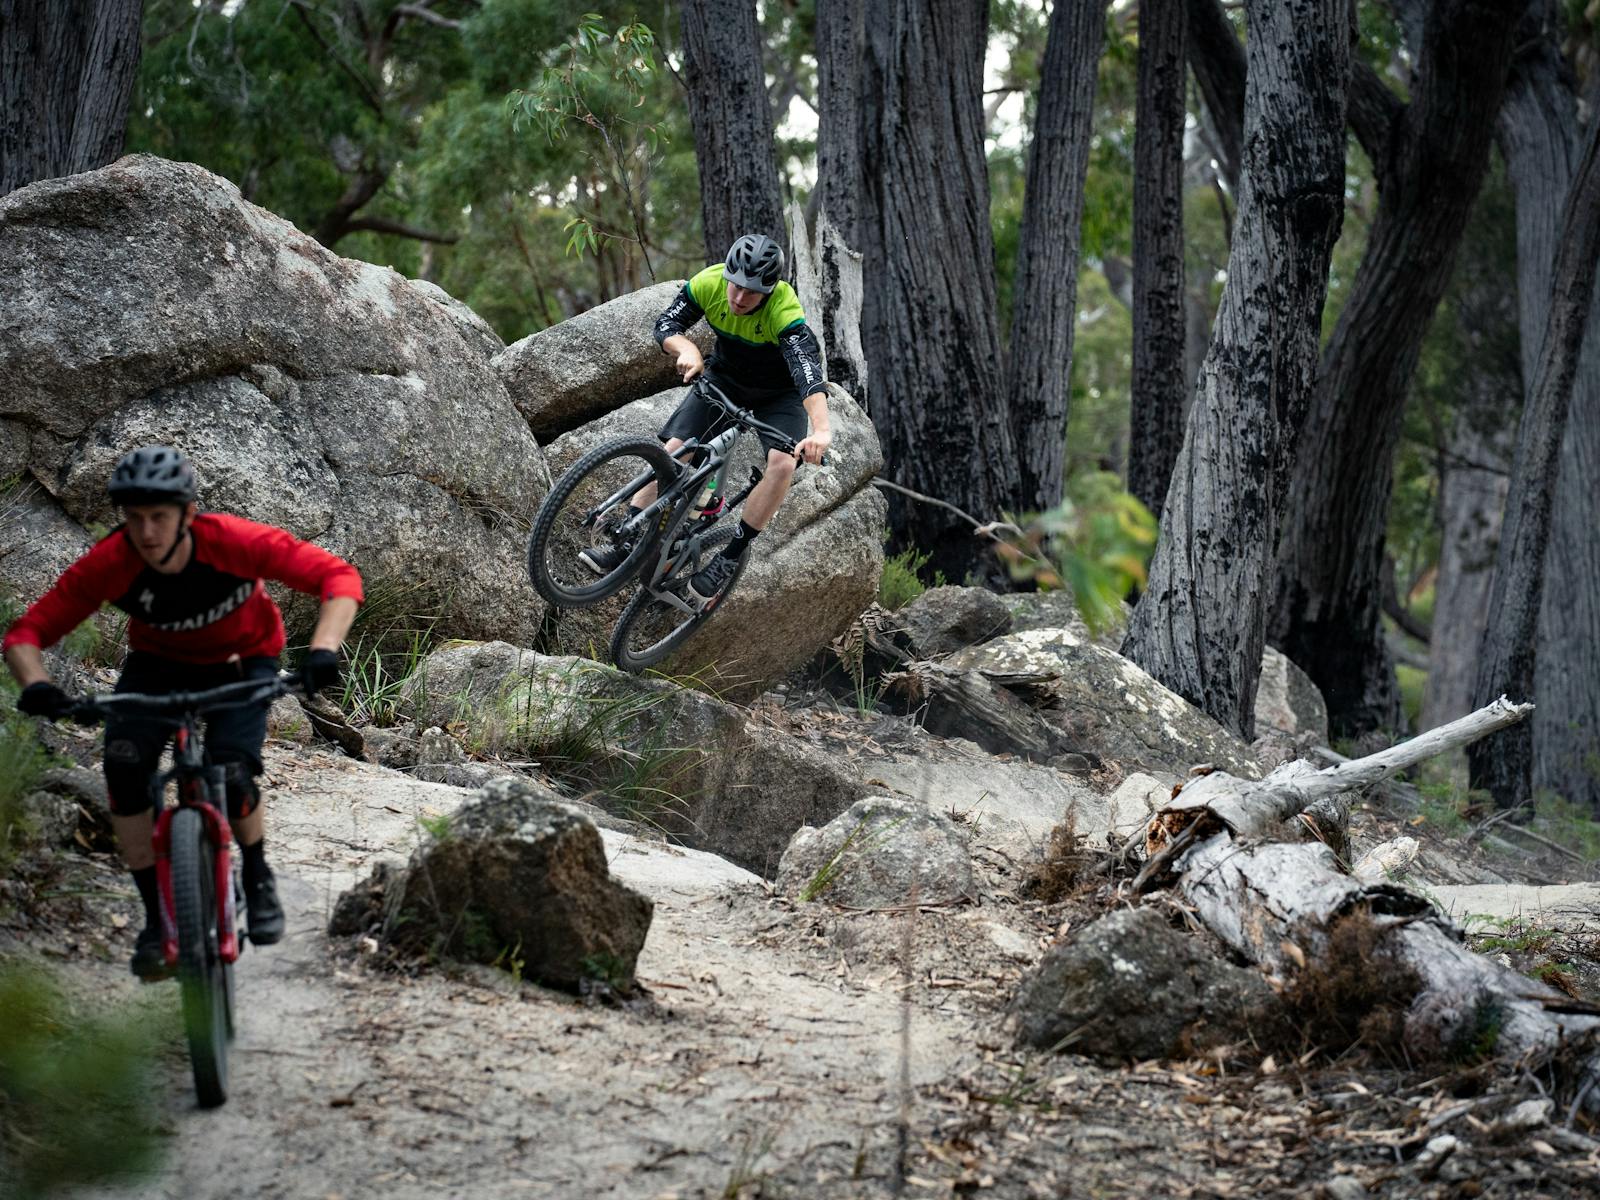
{"x": 651, "y": 628}
{"x": 576, "y": 516}
{"x": 202, "y": 975}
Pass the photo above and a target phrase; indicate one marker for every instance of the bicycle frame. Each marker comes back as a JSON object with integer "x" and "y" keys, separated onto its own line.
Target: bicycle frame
{"x": 197, "y": 783}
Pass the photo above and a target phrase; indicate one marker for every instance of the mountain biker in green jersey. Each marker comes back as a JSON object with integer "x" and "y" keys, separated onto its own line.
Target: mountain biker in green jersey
{"x": 766, "y": 359}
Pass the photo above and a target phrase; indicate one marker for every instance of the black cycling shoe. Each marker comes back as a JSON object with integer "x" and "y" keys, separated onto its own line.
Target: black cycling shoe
{"x": 149, "y": 957}
{"x": 265, "y": 913}
{"x": 603, "y": 560}
{"x": 707, "y": 583}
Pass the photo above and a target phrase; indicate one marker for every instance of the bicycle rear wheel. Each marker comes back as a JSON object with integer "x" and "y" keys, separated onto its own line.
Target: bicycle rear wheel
{"x": 651, "y": 628}
{"x": 583, "y": 513}
{"x": 203, "y": 978}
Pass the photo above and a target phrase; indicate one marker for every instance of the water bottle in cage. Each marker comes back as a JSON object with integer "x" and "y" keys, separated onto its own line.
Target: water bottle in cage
{"x": 710, "y": 500}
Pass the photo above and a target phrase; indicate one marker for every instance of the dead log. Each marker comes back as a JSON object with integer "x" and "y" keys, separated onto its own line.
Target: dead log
{"x": 1278, "y": 904}
{"x": 966, "y": 704}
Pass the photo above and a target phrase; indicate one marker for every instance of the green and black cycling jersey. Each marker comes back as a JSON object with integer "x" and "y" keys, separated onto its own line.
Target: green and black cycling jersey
{"x": 770, "y": 348}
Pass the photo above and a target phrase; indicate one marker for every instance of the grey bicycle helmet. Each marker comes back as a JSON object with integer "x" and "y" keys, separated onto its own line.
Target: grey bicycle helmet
{"x": 755, "y": 261}
{"x": 152, "y": 475}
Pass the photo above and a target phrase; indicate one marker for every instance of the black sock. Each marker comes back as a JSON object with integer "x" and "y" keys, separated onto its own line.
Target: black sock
{"x": 145, "y": 880}
{"x": 254, "y": 858}
{"x": 741, "y": 540}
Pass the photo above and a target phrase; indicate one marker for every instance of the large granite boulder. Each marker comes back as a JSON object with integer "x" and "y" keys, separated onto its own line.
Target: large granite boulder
{"x": 519, "y": 879}
{"x": 814, "y": 568}
{"x": 880, "y": 853}
{"x": 588, "y": 365}
{"x": 1104, "y": 706}
{"x": 39, "y": 541}
{"x": 1130, "y": 987}
{"x": 662, "y": 755}
{"x": 148, "y": 302}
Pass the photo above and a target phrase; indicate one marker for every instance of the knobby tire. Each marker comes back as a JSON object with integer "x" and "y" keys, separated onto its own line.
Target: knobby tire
{"x": 202, "y": 975}
{"x": 645, "y": 607}
{"x": 546, "y": 526}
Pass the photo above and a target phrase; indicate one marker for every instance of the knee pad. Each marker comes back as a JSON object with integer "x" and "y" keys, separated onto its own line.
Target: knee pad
{"x": 130, "y": 781}
{"x": 243, "y": 794}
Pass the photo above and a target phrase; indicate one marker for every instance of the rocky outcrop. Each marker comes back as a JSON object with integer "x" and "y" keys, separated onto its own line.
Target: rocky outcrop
{"x": 814, "y": 568}
{"x": 518, "y": 879}
{"x": 1287, "y": 702}
{"x": 880, "y": 853}
{"x": 665, "y": 756}
{"x": 1130, "y": 987}
{"x": 1103, "y": 706}
{"x": 40, "y": 541}
{"x": 147, "y": 301}
{"x": 587, "y": 366}
{"x": 945, "y": 619}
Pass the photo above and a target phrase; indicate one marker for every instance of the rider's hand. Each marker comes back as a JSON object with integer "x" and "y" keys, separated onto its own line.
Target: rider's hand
{"x": 690, "y": 362}
{"x": 44, "y": 699}
{"x": 320, "y": 670}
{"x": 814, "y": 447}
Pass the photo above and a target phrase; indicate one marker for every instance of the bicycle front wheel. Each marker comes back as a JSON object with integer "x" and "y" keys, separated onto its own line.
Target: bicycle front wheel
{"x": 574, "y": 556}
{"x": 651, "y": 628}
{"x": 203, "y": 978}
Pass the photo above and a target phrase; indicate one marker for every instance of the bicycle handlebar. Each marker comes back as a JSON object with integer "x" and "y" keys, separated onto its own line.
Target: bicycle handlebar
{"x": 748, "y": 419}
{"x": 176, "y": 705}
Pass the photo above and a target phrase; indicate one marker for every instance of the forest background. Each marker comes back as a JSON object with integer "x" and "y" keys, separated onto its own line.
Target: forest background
{"x": 537, "y": 157}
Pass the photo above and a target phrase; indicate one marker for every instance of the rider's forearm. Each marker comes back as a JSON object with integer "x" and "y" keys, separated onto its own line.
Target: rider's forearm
{"x": 333, "y": 623}
{"x": 817, "y": 409}
{"x": 27, "y": 664}
{"x": 677, "y": 344}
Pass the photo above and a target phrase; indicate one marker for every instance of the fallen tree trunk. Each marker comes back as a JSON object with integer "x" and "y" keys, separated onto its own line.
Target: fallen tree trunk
{"x": 1280, "y": 906}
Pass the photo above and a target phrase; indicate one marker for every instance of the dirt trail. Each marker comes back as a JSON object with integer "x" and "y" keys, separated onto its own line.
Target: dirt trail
{"x": 353, "y": 1082}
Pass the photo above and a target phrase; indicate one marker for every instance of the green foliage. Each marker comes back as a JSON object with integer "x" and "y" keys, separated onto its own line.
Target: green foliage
{"x": 1413, "y": 685}
{"x": 75, "y": 1089}
{"x": 1573, "y": 825}
{"x": 599, "y": 78}
{"x": 1097, "y": 542}
{"x": 1446, "y": 804}
{"x": 901, "y": 581}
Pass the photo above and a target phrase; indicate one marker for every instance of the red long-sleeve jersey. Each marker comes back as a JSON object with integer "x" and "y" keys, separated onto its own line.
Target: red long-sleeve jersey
{"x": 215, "y": 608}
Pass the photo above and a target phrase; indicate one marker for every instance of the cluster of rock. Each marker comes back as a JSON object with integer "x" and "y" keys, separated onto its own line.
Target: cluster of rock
{"x": 149, "y": 302}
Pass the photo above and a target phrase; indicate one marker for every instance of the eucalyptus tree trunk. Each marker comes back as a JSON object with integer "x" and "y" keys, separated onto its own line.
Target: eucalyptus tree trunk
{"x": 840, "y": 182}
{"x": 1539, "y": 136}
{"x": 1200, "y": 626}
{"x": 1219, "y": 68}
{"x": 1159, "y": 386}
{"x": 67, "y": 70}
{"x": 930, "y": 330}
{"x": 1479, "y": 400}
{"x": 1506, "y": 665}
{"x": 1430, "y": 164}
{"x": 732, "y": 120}
{"x": 1045, "y": 312}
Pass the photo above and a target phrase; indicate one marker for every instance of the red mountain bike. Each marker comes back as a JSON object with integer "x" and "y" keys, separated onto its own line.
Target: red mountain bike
{"x": 201, "y": 895}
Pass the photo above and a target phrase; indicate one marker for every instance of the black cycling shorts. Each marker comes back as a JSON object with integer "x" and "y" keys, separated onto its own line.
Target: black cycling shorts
{"x": 779, "y": 407}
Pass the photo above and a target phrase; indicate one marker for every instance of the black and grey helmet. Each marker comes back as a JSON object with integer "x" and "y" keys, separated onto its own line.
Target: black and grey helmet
{"x": 152, "y": 475}
{"x": 754, "y": 262}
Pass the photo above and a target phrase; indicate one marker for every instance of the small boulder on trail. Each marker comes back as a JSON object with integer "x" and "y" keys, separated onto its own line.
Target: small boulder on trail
{"x": 880, "y": 853}
{"x": 1128, "y": 986}
{"x": 518, "y": 878}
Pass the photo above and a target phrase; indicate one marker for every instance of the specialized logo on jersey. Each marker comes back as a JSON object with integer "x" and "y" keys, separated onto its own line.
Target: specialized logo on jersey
{"x": 147, "y": 598}
{"x": 215, "y": 613}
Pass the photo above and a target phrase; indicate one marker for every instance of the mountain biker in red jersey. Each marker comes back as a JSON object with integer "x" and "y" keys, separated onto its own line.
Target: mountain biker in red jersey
{"x": 192, "y": 584}
{"x": 766, "y": 359}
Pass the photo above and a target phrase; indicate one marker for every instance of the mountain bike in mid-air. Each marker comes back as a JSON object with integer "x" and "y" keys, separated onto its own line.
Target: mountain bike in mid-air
{"x": 667, "y": 541}
{"x": 201, "y": 893}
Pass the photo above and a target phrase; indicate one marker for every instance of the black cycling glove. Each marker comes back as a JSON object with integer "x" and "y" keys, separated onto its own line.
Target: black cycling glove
{"x": 320, "y": 670}
{"x": 44, "y": 699}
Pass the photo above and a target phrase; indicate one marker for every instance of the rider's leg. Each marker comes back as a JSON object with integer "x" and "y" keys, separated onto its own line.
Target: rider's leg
{"x": 132, "y": 756}
{"x": 759, "y": 507}
{"x": 233, "y": 741}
